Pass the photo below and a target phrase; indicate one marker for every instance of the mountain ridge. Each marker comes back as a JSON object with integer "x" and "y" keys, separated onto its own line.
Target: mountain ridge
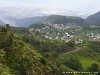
{"x": 94, "y": 18}
{"x": 59, "y": 19}
{"x": 26, "y": 12}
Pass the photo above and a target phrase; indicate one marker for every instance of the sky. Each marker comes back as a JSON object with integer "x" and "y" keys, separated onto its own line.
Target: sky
{"x": 84, "y": 6}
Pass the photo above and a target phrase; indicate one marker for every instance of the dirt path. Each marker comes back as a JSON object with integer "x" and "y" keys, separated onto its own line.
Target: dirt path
{"x": 76, "y": 49}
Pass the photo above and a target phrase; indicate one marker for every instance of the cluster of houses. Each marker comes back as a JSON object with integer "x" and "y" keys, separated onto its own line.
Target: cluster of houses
{"x": 78, "y": 41}
{"x": 58, "y": 32}
{"x": 93, "y": 36}
{"x": 65, "y": 26}
{"x": 58, "y": 36}
{"x": 93, "y": 26}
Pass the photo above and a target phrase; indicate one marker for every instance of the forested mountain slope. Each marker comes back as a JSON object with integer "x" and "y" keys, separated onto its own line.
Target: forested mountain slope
{"x": 94, "y": 19}
{"x": 58, "y": 19}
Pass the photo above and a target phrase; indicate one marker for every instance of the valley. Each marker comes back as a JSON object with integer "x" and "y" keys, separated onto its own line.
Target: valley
{"x": 50, "y": 45}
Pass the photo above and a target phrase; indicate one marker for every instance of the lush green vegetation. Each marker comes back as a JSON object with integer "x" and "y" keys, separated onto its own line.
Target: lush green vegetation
{"x": 26, "y": 54}
{"x": 86, "y": 59}
{"x": 55, "y": 46}
{"x": 29, "y": 58}
{"x": 58, "y": 19}
{"x": 94, "y": 18}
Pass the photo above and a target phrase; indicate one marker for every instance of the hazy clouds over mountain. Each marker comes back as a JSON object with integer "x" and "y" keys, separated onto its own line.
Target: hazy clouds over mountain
{"x": 11, "y": 14}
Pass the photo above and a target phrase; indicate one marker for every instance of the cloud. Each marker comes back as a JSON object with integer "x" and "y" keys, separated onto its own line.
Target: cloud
{"x": 88, "y": 6}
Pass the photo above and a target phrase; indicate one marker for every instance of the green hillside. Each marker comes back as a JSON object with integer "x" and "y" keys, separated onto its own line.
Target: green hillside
{"x": 18, "y": 56}
{"x": 88, "y": 55}
{"x": 58, "y": 19}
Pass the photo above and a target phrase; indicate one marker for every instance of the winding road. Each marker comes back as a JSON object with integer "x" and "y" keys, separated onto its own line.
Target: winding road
{"x": 74, "y": 50}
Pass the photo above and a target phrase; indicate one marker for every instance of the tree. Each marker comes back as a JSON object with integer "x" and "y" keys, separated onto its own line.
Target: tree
{"x": 7, "y": 26}
{"x": 93, "y": 68}
{"x": 71, "y": 44}
{"x": 73, "y": 63}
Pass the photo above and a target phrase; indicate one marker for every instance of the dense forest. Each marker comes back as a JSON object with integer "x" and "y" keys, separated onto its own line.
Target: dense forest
{"x": 26, "y": 56}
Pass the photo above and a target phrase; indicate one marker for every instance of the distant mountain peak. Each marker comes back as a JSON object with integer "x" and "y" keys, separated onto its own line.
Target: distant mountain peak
{"x": 94, "y": 19}
{"x": 65, "y": 20}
